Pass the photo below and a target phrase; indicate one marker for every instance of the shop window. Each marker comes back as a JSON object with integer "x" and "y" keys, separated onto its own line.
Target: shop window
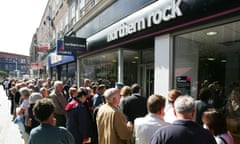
{"x": 100, "y": 67}
{"x": 211, "y": 58}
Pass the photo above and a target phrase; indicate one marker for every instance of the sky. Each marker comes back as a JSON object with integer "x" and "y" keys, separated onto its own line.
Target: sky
{"x": 19, "y": 21}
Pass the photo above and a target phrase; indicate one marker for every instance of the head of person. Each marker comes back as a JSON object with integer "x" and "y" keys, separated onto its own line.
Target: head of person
{"x": 34, "y": 97}
{"x": 135, "y": 88}
{"x": 101, "y": 89}
{"x": 58, "y": 86}
{"x": 184, "y": 107}
{"x": 31, "y": 86}
{"x": 119, "y": 85}
{"x": 73, "y": 91}
{"x": 86, "y": 82}
{"x": 40, "y": 82}
{"x": 156, "y": 104}
{"x": 25, "y": 92}
{"x": 125, "y": 91}
{"x": 204, "y": 94}
{"x": 112, "y": 96}
{"x": 82, "y": 94}
{"x": 173, "y": 94}
{"x": 46, "y": 85}
{"x": 43, "y": 111}
{"x": 44, "y": 92}
{"x": 214, "y": 121}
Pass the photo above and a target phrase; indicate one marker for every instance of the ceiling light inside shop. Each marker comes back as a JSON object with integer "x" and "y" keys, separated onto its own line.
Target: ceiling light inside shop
{"x": 211, "y": 58}
{"x": 136, "y": 57}
{"x": 223, "y": 61}
{"x": 134, "y": 62}
{"x": 212, "y": 33}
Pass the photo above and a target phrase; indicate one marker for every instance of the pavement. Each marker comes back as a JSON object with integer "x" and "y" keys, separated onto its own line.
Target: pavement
{"x": 9, "y": 132}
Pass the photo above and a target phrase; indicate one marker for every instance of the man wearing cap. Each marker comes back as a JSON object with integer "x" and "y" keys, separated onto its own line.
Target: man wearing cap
{"x": 31, "y": 121}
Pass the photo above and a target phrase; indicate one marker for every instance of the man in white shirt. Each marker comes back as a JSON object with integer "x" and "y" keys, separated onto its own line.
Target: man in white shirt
{"x": 144, "y": 127}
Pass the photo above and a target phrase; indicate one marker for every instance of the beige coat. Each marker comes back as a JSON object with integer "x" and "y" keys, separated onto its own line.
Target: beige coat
{"x": 112, "y": 126}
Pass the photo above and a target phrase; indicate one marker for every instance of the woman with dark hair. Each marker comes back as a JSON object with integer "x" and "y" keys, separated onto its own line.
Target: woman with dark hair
{"x": 202, "y": 105}
{"x": 79, "y": 120}
{"x": 215, "y": 122}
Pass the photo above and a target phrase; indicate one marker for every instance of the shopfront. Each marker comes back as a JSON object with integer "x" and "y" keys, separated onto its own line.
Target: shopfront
{"x": 179, "y": 44}
{"x": 62, "y": 67}
{"x": 165, "y": 45}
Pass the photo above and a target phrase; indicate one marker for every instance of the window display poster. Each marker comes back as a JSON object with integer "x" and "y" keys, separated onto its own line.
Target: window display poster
{"x": 183, "y": 83}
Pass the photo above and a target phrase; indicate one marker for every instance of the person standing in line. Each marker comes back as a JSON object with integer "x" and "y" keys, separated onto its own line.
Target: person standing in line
{"x": 44, "y": 92}
{"x": 169, "y": 111}
{"x": 202, "y": 105}
{"x": 135, "y": 105}
{"x": 183, "y": 130}
{"x": 79, "y": 120}
{"x": 31, "y": 121}
{"x": 47, "y": 132}
{"x": 60, "y": 103}
{"x": 125, "y": 92}
{"x": 98, "y": 98}
{"x": 144, "y": 127}
{"x": 72, "y": 93}
{"x": 215, "y": 122}
{"x": 111, "y": 123}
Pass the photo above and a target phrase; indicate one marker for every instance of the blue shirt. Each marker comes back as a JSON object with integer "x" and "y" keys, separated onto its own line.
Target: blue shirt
{"x": 48, "y": 134}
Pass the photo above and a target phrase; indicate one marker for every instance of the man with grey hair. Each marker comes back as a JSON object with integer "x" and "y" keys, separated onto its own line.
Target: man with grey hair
{"x": 112, "y": 125}
{"x": 60, "y": 103}
{"x": 183, "y": 130}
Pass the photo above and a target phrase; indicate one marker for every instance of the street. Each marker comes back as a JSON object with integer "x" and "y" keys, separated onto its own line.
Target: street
{"x": 9, "y": 132}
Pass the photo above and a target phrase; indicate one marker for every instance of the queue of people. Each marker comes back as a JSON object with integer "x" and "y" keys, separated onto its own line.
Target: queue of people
{"x": 50, "y": 112}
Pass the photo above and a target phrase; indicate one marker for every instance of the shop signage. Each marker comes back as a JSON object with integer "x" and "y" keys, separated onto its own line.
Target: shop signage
{"x": 36, "y": 66}
{"x": 75, "y": 44}
{"x": 157, "y": 16}
{"x": 61, "y": 49}
{"x": 162, "y": 16}
{"x": 43, "y": 48}
{"x": 55, "y": 60}
{"x": 183, "y": 83}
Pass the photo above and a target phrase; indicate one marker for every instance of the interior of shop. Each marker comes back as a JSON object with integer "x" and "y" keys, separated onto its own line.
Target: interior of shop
{"x": 209, "y": 56}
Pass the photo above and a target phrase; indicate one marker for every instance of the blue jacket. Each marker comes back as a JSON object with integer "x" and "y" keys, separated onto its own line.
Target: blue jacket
{"x": 79, "y": 121}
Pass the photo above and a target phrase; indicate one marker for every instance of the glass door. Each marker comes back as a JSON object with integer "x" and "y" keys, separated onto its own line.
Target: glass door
{"x": 147, "y": 80}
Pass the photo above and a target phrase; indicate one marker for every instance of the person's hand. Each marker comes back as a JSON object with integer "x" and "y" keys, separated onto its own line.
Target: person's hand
{"x": 130, "y": 125}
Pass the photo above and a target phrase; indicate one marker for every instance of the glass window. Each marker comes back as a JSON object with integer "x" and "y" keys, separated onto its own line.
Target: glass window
{"x": 131, "y": 60}
{"x": 102, "y": 66}
{"x": 211, "y": 58}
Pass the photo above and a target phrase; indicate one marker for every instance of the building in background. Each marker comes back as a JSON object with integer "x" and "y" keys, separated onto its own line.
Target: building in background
{"x": 14, "y": 64}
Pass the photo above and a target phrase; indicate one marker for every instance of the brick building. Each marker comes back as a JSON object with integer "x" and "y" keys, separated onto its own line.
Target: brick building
{"x": 16, "y": 65}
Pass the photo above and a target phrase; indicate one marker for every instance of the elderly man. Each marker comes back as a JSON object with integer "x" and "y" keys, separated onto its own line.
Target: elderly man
{"x": 60, "y": 103}
{"x": 111, "y": 123}
{"x": 183, "y": 130}
{"x": 144, "y": 127}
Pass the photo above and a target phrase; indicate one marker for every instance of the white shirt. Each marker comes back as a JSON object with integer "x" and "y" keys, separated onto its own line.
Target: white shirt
{"x": 25, "y": 105}
{"x": 145, "y": 127}
{"x": 169, "y": 113}
{"x": 226, "y": 136}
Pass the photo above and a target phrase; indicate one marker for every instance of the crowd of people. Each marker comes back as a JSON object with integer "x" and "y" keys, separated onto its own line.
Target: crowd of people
{"x": 54, "y": 112}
